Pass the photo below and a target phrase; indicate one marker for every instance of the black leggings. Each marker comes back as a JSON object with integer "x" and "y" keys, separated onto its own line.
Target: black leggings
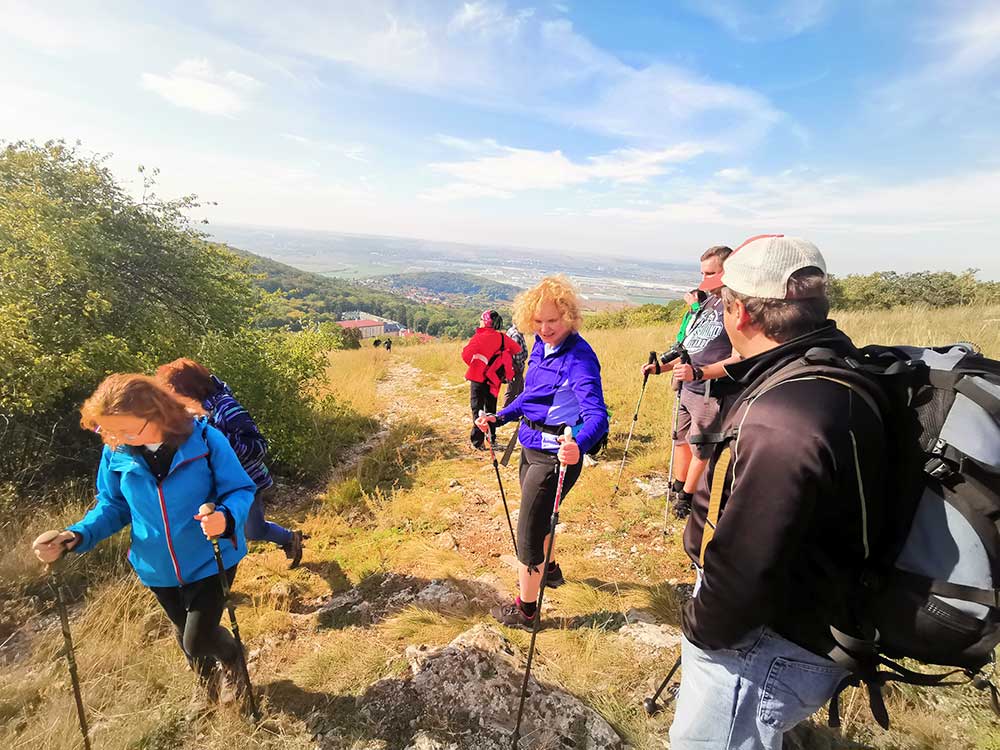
{"x": 195, "y": 609}
{"x": 480, "y": 398}
{"x": 539, "y": 474}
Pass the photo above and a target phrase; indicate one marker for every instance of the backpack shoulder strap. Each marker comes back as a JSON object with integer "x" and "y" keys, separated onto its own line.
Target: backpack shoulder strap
{"x": 824, "y": 364}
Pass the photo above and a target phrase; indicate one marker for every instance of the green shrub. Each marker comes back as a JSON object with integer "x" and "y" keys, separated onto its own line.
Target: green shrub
{"x": 96, "y": 282}
{"x": 638, "y": 317}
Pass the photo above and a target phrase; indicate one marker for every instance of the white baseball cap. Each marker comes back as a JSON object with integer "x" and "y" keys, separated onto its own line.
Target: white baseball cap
{"x": 762, "y": 265}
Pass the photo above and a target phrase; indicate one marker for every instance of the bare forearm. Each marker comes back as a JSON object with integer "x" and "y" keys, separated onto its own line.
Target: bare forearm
{"x": 718, "y": 369}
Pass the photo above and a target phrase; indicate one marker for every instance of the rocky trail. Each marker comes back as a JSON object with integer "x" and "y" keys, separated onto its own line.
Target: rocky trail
{"x": 464, "y": 694}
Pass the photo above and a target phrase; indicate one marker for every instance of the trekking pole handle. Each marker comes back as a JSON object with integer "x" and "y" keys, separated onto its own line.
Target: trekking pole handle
{"x": 206, "y": 509}
{"x": 685, "y": 360}
{"x": 65, "y": 545}
{"x": 652, "y": 361}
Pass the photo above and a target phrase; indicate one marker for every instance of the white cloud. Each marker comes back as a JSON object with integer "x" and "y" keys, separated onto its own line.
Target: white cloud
{"x": 354, "y": 151}
{"x": 485, "y": 54}
{"x": 196, "y": 84}
{"x": 506, "y": 170}
{"x": 467, "y": 144}
{"x": 959, "y": 82}
{"x": 764, "y": 19}
{"x": 972, "y": 42}
{"x": 804, "y": 201}
{"x": 61, "y": 33}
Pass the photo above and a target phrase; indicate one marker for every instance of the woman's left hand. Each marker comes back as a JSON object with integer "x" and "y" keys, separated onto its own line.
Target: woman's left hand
{"x": 569, "y": 451}
{"x": 213, "y": 524}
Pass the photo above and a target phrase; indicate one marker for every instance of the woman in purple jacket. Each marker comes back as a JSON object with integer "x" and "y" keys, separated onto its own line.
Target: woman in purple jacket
{"x": 562, "y": 388}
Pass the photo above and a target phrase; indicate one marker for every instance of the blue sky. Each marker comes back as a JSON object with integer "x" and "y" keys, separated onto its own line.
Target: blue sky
{"x": 648, "y": 129}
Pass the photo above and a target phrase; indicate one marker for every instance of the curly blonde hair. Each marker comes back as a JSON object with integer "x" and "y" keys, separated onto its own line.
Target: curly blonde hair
{"x": 557, "y": 289}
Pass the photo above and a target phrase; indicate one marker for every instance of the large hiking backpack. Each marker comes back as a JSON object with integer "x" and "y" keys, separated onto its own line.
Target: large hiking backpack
{"x": 931, "y": 590}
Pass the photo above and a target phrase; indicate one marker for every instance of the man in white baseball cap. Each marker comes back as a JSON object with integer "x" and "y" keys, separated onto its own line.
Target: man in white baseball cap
{"x": 780, "y": 530}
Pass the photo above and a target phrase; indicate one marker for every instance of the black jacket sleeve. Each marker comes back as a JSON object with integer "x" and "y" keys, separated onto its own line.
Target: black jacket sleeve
{"x": 778, "y": 466}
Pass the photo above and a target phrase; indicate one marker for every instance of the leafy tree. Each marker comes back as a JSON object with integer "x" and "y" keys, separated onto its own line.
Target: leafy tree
{"x": 93, "y": 281}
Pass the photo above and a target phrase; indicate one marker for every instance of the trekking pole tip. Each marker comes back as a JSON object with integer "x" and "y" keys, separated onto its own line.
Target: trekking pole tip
{"x": 651, "y": 706}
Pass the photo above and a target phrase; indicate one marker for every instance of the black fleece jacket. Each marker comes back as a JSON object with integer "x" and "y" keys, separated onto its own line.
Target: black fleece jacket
{"x": 803, "y": 502}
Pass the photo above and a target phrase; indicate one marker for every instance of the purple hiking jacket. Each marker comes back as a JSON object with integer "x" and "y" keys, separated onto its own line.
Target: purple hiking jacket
{"x": 563, "y": 388}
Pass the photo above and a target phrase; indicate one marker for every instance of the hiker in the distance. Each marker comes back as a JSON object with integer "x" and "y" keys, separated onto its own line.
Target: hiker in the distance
{"x": 388, "y": 345}
{"x": 782, "y": 534}
{"x": 562, "y": 388}
{"x": 707, "y": 342}
{"x": 159, "y": 464}
{"x": 193, "y": 381}
{"x": 489, "y": 355}
{"x": 516, "y": 384}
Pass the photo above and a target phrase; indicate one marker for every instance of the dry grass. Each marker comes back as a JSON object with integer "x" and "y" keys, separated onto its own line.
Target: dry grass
{"x": 353, "y": 375}
{"x": 387, "y": 516}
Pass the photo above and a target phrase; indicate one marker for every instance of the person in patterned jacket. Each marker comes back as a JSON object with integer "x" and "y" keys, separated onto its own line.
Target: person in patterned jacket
{"x": 189, "y": 379}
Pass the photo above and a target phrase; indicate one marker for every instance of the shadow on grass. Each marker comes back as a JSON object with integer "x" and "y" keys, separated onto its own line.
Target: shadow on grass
{"x": 331, "y": 572}
{"x": 322, "y": 712}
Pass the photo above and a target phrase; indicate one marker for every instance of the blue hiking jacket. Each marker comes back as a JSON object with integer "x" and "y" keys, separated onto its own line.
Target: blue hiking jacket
{"x": 562, "y": 388}
{"x": 168, "y": 545}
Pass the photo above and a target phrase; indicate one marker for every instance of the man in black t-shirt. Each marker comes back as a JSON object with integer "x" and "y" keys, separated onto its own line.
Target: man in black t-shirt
{"x": 698, "y": 414}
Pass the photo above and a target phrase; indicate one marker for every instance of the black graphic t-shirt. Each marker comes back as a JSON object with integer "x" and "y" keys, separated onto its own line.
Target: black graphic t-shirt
{"x": 706, "y": 339}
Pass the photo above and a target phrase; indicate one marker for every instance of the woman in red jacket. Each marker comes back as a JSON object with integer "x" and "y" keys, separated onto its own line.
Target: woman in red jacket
{"x": 489, "y": 355}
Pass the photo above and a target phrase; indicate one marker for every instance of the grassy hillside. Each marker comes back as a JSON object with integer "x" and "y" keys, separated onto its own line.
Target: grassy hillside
{"x": 416, "y": 501}
{"x": 314, "y": 298}
{"x": 451, "y": 287}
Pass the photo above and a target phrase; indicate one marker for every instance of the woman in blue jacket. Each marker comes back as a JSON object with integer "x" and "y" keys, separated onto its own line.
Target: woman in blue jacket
{"x": 562, "y": 389}
{"x": 159, "y": 465}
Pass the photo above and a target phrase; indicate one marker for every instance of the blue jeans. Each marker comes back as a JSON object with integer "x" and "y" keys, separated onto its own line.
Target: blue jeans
{"x": 747, "y": 697}
{"x": 258, "y": 528}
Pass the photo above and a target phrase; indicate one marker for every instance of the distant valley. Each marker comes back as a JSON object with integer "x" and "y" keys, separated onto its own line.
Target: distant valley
{"x": 421, "y": 269}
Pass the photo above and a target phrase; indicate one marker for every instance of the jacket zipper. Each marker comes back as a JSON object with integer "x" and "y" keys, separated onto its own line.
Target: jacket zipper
{"x": 166, "y": 523}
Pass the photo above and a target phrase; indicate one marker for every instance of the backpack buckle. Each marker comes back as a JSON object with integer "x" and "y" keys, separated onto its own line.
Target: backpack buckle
{"x": 938, "y": 468}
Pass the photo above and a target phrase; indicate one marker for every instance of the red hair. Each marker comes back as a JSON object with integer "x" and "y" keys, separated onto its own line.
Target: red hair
{"x": 187, "y": 378}
{"x": 131, "y": 394}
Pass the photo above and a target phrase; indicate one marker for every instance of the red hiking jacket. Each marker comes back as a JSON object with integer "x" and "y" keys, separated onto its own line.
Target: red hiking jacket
{"x": 488, "y": 354}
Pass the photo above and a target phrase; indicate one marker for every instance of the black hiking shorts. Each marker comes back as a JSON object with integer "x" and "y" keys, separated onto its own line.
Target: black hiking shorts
{"x": 539, "y": 476}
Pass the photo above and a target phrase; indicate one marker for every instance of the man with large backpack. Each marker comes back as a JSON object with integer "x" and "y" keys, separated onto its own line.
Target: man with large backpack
{"x": 489, "y": 356}
{"x": 793, "y": 506}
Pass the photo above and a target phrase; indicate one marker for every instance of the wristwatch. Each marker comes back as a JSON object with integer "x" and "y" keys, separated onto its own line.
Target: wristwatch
{"x": 697, "y": 373}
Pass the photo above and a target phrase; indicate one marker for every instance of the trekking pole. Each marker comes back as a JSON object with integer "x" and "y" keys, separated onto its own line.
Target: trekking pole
{"x": 677, "y": 385}
{"x": 493, "y": 457}
{"x": 511, "y": 444}
{"x": 69, "y": 652}
{"x": 635, "y": 418}
{"x": 204, "y": 510}
{"x": 650, "y": 703}
{"x": 553, "y": 522}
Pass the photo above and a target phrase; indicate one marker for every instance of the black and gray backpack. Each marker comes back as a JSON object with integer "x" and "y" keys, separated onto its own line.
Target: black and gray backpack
{"x": 931, "y": 591}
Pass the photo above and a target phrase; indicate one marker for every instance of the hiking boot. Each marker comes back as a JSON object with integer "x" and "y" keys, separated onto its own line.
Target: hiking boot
{"x": 513, "y": 616}
{"x": 555, "y": 577}
{"x": 293, "y": 550}
{"x": 237, "y": 684}
{"x": 206, "y": 694}
{"x": 682, "y": 505}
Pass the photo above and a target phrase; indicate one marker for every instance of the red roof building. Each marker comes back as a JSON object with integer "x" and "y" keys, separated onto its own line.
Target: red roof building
{"x": 367, "y": 329}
